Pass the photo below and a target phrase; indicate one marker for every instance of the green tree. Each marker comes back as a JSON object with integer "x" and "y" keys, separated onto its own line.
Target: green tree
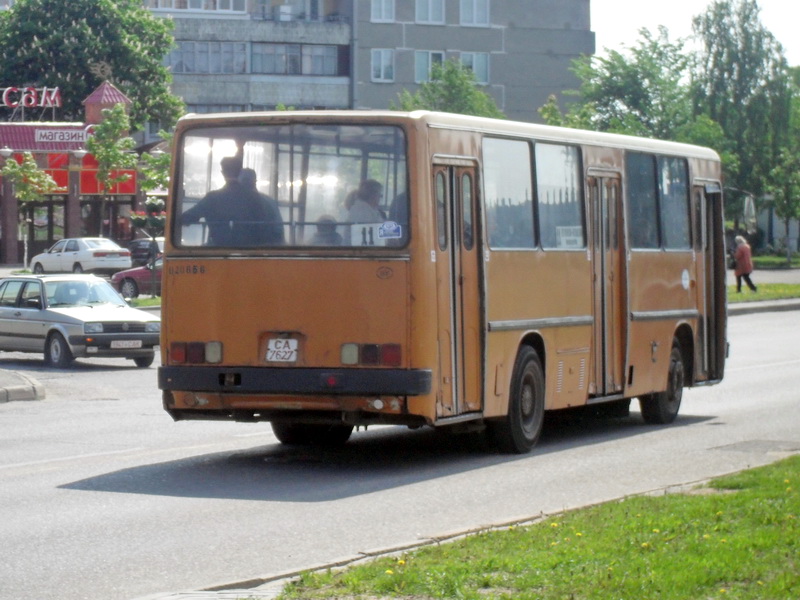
{"x": 451, "y": 88}
{"x": 785, "y": 188}
{"x": 30, "y": 185}
{"x": 76, "y": 44}
{"x": 742, "y": 81}
{"x": 644, "y": 91}
{"x": 155, "y": 167}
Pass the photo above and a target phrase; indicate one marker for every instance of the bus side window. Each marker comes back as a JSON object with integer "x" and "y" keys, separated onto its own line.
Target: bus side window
{"x": 642, "y": 202}
{"x": 441, "y": 209}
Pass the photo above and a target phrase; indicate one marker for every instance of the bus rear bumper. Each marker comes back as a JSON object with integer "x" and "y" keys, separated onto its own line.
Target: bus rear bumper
{"x": 295, "y": 381}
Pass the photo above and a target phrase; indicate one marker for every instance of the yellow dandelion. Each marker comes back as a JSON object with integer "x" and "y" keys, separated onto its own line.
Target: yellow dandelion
{"x": 553, "y": 525}
{"x": 723, "y": 541}
{"x": 706, "y": 536}
{"x": 785, "y": 481}
{"x": 401, "y": 562}
{"x": 645, "y": 545}
{"x": 578, "y": 534}
{"x": 389, "y": 572}
{"x": 656, "y": 531}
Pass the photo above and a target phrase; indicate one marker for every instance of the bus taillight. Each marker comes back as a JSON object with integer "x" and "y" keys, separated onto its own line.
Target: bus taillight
{"x": 372, "y": 355}
{"x": 195, "y": 352}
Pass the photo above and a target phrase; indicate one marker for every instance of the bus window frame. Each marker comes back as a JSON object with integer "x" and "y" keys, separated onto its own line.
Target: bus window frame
{"x": 177, "y": 195}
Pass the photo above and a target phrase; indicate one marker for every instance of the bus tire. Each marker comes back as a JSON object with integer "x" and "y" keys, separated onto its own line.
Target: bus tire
{"x": 661, "y": 408}
{"x": 305, "y": 434}
{"x": 519, "y": 431}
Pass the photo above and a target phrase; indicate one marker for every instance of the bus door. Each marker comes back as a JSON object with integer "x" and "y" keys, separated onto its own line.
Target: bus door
{"x": 458, "y": 286}
{"x": 709, "y": 245}
{"x": 610, "y": 304}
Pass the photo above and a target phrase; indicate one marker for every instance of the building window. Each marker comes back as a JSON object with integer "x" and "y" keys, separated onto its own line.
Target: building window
{"x": 208, "y": 57}
{"x": 430, "y": 11}
{"x": 475, "y": 13}
{"x": 215, "y": 108}
{"x": 382, "y": 11}
{"x": 423, "y": 63}
{"x": 294, "y": 59}
{"x": 478, "y": 63}
{"x": 277, "y": 59}
{"x": 210, "y": 5}
{"x": 383, "y": 65}
{"x": 320, "y": 60}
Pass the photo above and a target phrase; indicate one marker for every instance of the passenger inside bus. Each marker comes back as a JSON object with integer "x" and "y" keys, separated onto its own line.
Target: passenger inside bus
{"x": 326, "y": 234}
{"x": 237, "y": 214}
{"x": 365, "y": 203}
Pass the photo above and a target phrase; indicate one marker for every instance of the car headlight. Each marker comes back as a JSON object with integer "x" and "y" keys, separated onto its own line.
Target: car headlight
{"x": 93, "y": 328}
{"x": 152, "y": 327}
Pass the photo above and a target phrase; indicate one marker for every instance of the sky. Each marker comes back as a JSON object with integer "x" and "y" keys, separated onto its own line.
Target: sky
{"x": 617, "y": 22}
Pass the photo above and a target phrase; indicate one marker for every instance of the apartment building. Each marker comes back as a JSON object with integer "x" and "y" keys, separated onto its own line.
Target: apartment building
{"x": 242, "y": 55}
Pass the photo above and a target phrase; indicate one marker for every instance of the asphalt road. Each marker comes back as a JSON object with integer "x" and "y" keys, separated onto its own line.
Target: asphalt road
{"x": 107, "y": 498}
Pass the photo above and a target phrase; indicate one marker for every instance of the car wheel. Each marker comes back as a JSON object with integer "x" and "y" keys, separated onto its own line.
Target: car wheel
{"x": 56, "y": 351}
{"x": 38, "y": 268}
{"x": 144, "y": 361}
{"x": 129, "y": 289}
{"x": 77, "y": 268}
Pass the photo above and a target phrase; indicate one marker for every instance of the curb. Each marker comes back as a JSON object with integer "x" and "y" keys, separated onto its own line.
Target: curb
{"x": 27, "y": 388}
{"x": 749, "y": 308}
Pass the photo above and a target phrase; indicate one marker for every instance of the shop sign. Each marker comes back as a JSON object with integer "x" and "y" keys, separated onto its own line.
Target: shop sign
{"x": 60, "y": 135}
{"x": 30, "y": 97}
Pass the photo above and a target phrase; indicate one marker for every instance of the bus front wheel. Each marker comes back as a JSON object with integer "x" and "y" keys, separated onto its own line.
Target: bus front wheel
{"x": 661, "y": 408}
{"x": 519, "y": 431}
{"x": 305, "y": 434}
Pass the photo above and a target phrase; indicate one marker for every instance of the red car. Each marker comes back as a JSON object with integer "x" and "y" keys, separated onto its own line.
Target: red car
{"x": 140, "y": 280}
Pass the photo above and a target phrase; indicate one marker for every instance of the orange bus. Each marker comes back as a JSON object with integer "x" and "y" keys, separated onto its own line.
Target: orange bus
{"x": 331, "y": 269}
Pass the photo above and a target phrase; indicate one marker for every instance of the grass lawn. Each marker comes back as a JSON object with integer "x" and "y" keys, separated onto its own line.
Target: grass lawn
{"x": 739, "y": 537}
{"x": 766, "y": 291}
{"x": 775, "y": 262}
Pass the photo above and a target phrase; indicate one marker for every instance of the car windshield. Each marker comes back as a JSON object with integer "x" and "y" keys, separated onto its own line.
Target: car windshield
{"x": 81, "y": 293}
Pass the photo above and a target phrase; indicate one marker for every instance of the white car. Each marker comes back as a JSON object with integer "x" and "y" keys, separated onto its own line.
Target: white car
{"x": 71, "y": 316}
{"x": 77, "y": 255}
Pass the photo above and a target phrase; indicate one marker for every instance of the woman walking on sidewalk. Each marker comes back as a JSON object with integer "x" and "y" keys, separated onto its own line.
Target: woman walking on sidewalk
{"x": 744, "y": 264}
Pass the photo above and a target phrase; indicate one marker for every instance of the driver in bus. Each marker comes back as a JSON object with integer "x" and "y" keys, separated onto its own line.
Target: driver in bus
{"x": 237, "y": 214}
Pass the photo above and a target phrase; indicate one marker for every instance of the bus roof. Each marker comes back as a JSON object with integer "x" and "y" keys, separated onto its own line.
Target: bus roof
{"x": 469, "y": 123}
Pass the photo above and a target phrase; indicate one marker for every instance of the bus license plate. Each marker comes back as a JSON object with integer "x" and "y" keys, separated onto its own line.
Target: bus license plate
{"x": 126, "y": 343}
{"x": 281, "y": 350}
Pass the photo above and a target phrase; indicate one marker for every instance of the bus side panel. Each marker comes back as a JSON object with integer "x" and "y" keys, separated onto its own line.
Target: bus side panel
{"x": 556, "y": 287}
{"x": 661, "y": 296}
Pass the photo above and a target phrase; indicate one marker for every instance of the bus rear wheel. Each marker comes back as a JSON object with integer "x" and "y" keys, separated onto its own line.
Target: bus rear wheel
{"x": 662, "y": 407}
{"x": 307, "y": 434}
{"x": 519, "y": 431}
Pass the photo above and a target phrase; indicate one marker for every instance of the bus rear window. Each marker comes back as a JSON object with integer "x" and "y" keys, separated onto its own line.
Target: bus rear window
{"x": 299, "y": 185}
